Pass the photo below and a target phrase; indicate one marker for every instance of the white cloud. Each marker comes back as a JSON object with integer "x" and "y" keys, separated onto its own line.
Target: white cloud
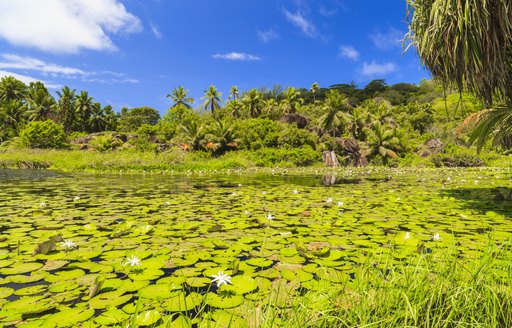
{"x": 349, "y": 52}
{"x": 373, "y": 68}
{"x": 15, "y": 62}
{"x": 10, "y": 61}
{"x": 268, "y": 35}
{"x": 388, "y": 40}
{"x": 302, "y": 23}
{"x": 327, "y": 12}
{"x": 27, "y": 79}
{"x": 236, "y": 56}
{"x": 156, "y": 31}
{"x": 65, "y": 26}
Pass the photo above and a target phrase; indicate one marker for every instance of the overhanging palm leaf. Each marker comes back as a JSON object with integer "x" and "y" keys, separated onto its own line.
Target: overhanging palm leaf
{"x": 495, "y": 123}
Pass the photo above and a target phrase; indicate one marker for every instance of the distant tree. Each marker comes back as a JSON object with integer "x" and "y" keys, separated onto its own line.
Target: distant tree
{"x": 334, "y": 107}
{"x": 133, "y": 118}
{"x": 194, "y": 134}
{"x": 314, "y": 90}
{"x": 11, "y": 118}
{"x": 39, "y": 102}
{"x": 223, "y": 137}
{"x": 212, "y": 99}
{"x": 291, "y": 100}
{"x": 373, "y": 88}
{"x": 12, "y": 89}
{"x": 84, "y": 105}
{"x": 233, "y": 93}
{"x": 65, "y": 108}
{"x": 179, "y": 96}
{"x": 253, "y": 100}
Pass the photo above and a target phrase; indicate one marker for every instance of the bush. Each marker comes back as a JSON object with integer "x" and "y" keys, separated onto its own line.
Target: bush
{"x": 457, "y": 157}
{"x": 293, "y": 137}
{"x": 43, "y": 134}
{"x": 271, "y": 157}
{"x": 258, "y": 133}
{"x": 105, "y": 143}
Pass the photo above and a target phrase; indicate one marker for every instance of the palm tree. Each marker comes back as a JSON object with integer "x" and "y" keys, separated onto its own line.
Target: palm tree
{"x": 383, "y": 140}
{"x": 335, "y": 105}
{"x": 12, "y": 89}
{"x": 98, "y": 119}
{"x": 233, "y": 93}
{"x": 314, "y": 89}
{"x": 253, "y": 99}
{"x": 194, "y": 134}
{"x": 234, "y": 107}
{"x": 179, "y": 96}
{"x": 357, "y": 120}
{"x": 39, "y": 101}
{"x": 291, "y": 100}
{"x": 65, "y": 108}
{"x": 223, "y": 137}
{"x": 468, "y": 44}
{"x": 212, "y": 99}
{"x": 83, "y": 106}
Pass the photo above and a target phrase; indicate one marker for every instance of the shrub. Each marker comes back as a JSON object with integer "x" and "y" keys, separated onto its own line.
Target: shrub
{"x": 258, "y": 133}
{"x": 271, "y": 157}
{"x": 43, "y": 134}
{"x": 105, "y": 143}
{"x": 291, "y": 136}
{"x": 457, "y": 157}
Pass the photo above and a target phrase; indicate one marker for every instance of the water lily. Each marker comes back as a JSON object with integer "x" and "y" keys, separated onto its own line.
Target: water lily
{"x": 246, "y": 212}
{"x": 167, "y": 203}
{"x": 295, "y": 191}
{"x": 436, "y": 237}
{"x": 43, "y": 204}
{"x": 329, "y": 200}
{"x": 270, "y": 217}
{"x": 221, "y": 278}
{"x": 133, "y": 261}
{"x": 146, "y": 228}
{"x": 76, "y": 199}
{"x": 407, "y": 235}
{"x": 239, "y": 184}
{"x": 68, "y": 244}
{"x": 340, "y": 204}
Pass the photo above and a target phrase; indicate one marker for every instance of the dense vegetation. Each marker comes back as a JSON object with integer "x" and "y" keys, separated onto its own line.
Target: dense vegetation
{"x": 379, "y": 123}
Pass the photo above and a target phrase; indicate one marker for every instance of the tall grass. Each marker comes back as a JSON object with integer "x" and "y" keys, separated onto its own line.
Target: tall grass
{"x": 442, "y": 289}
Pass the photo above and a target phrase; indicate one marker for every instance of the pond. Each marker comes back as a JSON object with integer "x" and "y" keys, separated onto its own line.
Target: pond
{"x": 97, "y": 250}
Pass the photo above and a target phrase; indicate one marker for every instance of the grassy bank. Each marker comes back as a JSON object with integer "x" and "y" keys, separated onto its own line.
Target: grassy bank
{"x": 177, "y": 160}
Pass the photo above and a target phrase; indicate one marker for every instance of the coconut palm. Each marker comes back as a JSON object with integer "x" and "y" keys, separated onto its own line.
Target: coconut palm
{"x": 222, "y": 137}
{"x": 335, "y": 105}
{"x": 234, "y": 108}
{"x": 314, "y": 89}
{"x": 39, "y": 102}
{"x": 212, "y": 99}
{"x": 291, "y": 101}
{"x": 233, "y": 93}
{"x": 12, "y": 89}
{"x": 84, "y": 105}
{"x": 253, "y": 100}
{"x": 468, "y": 43}
{"x": 179, "y": 96}
{"x": 357, "y": 120}
{"x": 194, "y": 135}
{"x": 383, "y": 141}
{"x": 65, "y": 108}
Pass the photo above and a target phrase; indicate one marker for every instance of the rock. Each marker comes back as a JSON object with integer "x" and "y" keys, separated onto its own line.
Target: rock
{"x": 330, "y": 159}
{"x": 290, "y": 118}
{"x": 431, "y": 147}
{"x": 351, "y": 146}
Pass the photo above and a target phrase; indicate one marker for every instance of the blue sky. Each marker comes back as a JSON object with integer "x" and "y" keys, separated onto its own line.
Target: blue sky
{"x": 134, "y": 52}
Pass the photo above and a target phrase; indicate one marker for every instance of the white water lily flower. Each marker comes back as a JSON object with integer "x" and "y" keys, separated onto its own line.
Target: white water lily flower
{"x": 239, "y": 184}
{"x": 340, "y": 204}
{"x": 329, "y": 200}
{"x": 270, "y": 217}
{"x": 133, "y": 261}
{"x": 295, "y": 191}
{"x": 407, "y": 235}
{"x": 436, "y": 237}
{"x": 246, "y": 212}
{"x": 167, "y": 203}
{"x": 42, "y": 204}
{"x": 68, "y": 244}
{"x": 221, "y": 278}
{"x": 76, "y": 199}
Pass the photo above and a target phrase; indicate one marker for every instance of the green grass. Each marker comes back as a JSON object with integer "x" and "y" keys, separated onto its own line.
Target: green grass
{"x": 426, "y": 290}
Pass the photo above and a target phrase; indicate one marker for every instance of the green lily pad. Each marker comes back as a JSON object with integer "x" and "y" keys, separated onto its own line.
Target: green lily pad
{"x": 70, "y": 317}
{"x": 110, "y": 299}
{"x": 224, "y": 301}
{"x": 158, "y": 291}
{"x": 241, "y": 285}
{"x": 148, "y": 318}
{"x": 260, "y": 262}
{"x": 180, "y": 302}
{"x": 6, "y": 292}
{"x": 20, "y": 268}
{"x": 111, "y": 317}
